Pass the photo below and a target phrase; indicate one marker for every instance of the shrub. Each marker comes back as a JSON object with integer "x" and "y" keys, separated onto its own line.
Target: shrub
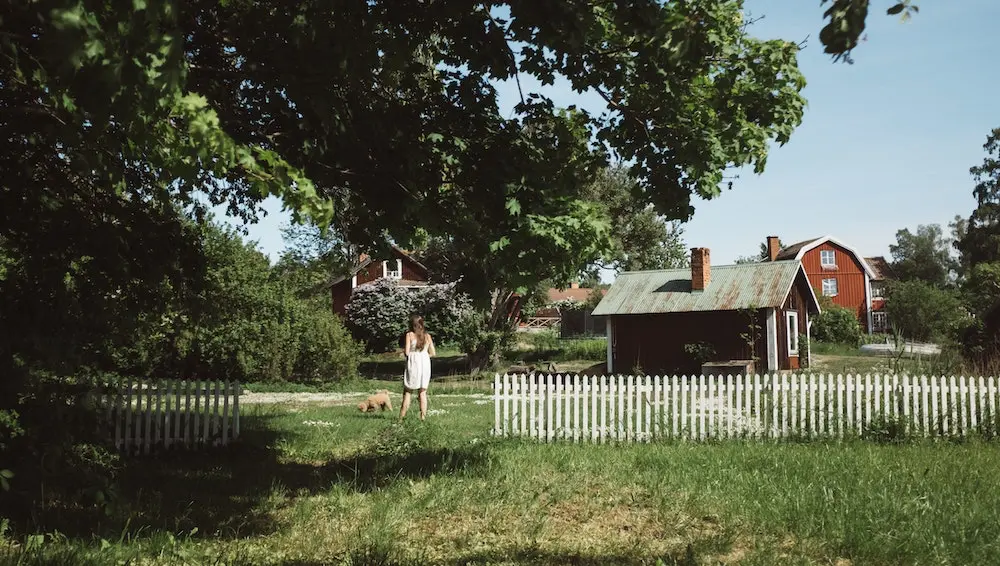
{"x": 568, "y": 305}
{"x": 921, "y": 311}
{"x": 324, "y": 347}
{"x": 379, "y": 313}
{"x": 836, "y": 324}
{"x": 483, "y": 346}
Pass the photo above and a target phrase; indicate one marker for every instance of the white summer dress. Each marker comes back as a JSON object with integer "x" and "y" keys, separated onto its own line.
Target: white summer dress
{"x": 418, "y": 367}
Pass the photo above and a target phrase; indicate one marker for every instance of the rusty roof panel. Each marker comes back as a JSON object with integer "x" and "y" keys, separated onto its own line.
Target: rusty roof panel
{"x": 731, "y": 287}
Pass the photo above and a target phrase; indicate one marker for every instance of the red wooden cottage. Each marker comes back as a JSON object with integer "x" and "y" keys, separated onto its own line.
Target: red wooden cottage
{"x": 840, "y": 272}
{"x": 407, "y": 272}
{"x": 756, "y": 311}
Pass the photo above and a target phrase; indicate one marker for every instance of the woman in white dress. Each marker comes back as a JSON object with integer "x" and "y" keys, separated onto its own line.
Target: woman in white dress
{"x": 418, "y": 348}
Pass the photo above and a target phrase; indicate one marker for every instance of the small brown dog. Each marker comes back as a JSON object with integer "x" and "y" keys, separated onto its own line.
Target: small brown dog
{"x": 380, "y": 400}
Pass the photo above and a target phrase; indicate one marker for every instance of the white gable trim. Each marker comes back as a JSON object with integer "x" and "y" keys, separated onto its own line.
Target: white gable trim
{"x": 820, "y": 241}
{"x": 812, "y": 292}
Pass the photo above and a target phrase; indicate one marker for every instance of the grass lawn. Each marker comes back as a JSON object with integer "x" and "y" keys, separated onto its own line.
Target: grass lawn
{"x": 310, "y": 485}
{"x": 842, "y": 359}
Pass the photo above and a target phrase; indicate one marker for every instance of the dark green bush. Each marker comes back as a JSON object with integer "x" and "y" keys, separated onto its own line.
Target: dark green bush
{"x": 836, "y": 324}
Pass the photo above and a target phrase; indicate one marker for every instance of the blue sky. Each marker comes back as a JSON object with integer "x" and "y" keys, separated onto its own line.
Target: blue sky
{"x": 885, "y": 144}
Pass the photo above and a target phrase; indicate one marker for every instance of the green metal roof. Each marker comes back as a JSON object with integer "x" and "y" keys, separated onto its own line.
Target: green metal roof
{"x": 731, "y": 287}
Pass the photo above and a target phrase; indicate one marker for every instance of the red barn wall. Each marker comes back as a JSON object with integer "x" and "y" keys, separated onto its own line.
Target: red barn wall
{"x": 850, "y": 276}
{"x": 412, "y": 271}
{"x": 340, "y": 294}
{"x": 656, "y": 342}
{"x": 797, "y": 300}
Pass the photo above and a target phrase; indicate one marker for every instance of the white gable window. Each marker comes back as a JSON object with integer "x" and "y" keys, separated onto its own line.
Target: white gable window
{"x": 830, "y": 287}
{"x": 792, "y": 332}
{"x": 827, "y": 259}
{"x": 396, "y": 273}
{"x": 880, "y": 321}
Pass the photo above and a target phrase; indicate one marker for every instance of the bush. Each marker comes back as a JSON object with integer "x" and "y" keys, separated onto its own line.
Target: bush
{"x": 57, "y": 459}
{"x": 836, "y": 324}
{"x": 483, "y": 346}
{"x": 379, "y": 313}
{"x": 324, "y": 348}
{"x": 923, "y": 312}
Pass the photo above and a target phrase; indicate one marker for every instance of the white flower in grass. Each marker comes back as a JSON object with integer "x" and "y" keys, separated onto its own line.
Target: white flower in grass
{"x": 320, "y": 423}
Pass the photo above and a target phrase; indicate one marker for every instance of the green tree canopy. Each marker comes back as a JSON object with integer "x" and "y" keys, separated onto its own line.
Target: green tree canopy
{"x": 981, "y": 241}
{"x": 921, "y": 311}
{"x": 117, "y": 119}
{"x": 923, "y": 256}
{"x": 640, "y": 239}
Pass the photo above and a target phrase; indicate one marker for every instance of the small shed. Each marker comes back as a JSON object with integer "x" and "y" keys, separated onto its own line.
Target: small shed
{"x": 672, "y": 321}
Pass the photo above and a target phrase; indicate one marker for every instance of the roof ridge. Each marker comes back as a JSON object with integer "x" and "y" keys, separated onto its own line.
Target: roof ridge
{"x": 714, "y": 266}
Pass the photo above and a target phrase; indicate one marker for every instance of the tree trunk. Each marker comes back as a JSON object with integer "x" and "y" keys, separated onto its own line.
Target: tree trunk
{"x": 498, "y": 324}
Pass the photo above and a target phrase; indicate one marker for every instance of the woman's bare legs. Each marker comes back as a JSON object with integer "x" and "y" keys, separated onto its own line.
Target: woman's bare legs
{"x": 405, "y": 405}
{"x": 423, "y": 403}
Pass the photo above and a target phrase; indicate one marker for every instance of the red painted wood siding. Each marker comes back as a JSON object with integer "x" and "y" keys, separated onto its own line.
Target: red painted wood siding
{"x": 797, "y": 300}
{"x": 340, "y": 294}
{"x": 369, "y": 273}
{"x": 656, "y": 342}
{"x": 850, "y": 276}
{"x": 412, "y": 271}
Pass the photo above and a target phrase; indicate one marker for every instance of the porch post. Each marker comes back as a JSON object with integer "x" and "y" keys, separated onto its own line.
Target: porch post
{"x": 609, "y": 331}
{"x": 772, "y": 340}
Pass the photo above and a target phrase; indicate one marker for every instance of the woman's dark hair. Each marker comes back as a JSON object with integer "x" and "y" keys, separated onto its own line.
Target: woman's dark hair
{"x": 417, "y": 327}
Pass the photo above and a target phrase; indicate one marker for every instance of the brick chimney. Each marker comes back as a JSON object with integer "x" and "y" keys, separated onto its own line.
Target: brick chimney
{"x": 574, "y": 285}
{"x": 773, "y": 247}
{"x": 701, "y": 269}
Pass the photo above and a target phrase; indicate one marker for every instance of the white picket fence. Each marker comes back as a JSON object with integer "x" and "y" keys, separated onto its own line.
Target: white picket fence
{"x": 144, "y": 415}
{"x": 638, "y": 409}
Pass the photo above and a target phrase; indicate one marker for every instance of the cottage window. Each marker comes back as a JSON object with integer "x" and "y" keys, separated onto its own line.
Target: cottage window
{"x": 792, "y": 332}
{"x": 396, "y": 273}
{"x": 878, "y": 290}
{"x": 880, "y": 321}
{"x": 830, "y": 287}
{"x": 827, "y": 259}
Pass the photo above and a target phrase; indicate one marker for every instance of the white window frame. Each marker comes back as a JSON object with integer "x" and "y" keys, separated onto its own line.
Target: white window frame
{"x": 792, "y": 332}
{"x": 396, "y": 274}
{"x": 835, "y": 289}
{"x": 833, "y": 259}
{"x": 885, "y": 321}
{"x": 878, "y": 289}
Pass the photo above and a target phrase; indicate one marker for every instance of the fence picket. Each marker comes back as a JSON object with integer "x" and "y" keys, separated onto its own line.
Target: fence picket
{"x": 622, "y": 408}
{"x": 992, "y": 393}
{"x": 142, "y": 415}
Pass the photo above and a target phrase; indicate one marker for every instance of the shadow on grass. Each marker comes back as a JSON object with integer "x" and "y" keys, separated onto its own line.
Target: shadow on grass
{"x": 235, "y": 491}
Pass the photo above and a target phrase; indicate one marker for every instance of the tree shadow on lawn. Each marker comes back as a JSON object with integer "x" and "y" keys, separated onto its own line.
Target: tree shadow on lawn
{"x": 226, "y": 492}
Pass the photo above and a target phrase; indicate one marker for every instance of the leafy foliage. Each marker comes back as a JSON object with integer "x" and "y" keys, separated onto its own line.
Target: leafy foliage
{"x": 923, "y": 256}
{"x": 379, "y": 313}
{"x": 981, "y": 241}
{"x": 847, "y": 22}
{"x": 641, "y": 239}
{"x": 835, "y": 324}
{"x": 920, "y": 311}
